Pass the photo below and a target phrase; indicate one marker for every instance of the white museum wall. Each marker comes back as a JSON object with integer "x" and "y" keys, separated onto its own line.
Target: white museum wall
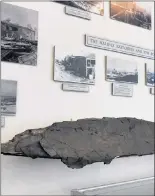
{"x": 40, "y": 102}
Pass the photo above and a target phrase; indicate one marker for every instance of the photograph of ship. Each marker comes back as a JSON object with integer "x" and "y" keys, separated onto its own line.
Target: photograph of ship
{"x": 132, "y": 12}
{"x": 8, "y": 97}
{"x": 19, "y": 39}
{"x": 96, "y": 7}
{"x": 120, "y": 70}
{"x": 75, "y": 66}
{"x": 150, "y": 74}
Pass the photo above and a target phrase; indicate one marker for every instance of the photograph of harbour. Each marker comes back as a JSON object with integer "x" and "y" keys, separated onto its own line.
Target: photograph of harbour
{"x": 8, "y": 97}
{"x": 96, "y": 7}
{"x": 19, "y": 34}
{"x": 136, "y": 13}
{"x": 150, "y": 74}
{"x": 120, "y": 70}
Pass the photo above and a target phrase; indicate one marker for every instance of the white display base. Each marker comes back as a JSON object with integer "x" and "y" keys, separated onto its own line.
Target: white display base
{"x": 26, "y": 176}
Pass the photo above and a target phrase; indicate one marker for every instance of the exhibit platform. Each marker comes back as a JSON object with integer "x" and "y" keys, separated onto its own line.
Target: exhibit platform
{"x": 26, "y": 176}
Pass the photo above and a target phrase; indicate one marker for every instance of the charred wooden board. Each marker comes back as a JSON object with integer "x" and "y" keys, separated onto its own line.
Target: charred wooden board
{"x": 85, "y": 141}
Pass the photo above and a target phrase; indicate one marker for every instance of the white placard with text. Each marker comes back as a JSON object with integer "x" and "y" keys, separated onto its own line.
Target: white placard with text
{"x": 75, "y": 87}
{"x": 121, "y": 89}
{"x": 105, "y": 44}
{"x": 77, "y": 12}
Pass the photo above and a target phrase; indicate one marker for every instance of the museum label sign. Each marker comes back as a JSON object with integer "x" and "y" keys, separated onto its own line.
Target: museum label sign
{"x": 77, "y": 12}
{"x": 106, "y": 44}
{"x": 124, "y": 90}
{"x": 75, "y": 87}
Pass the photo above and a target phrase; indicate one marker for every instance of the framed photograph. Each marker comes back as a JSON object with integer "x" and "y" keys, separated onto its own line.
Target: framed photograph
{"x": 8, "y": 97}
{"x": 2, "y": 121}
{"x": 120, "y": 70}
{"x": 150, "y": 74}
{"x": 19, "y": 34}
{"x": 136, "y": 13}
{"x": 74, "y": 65}
{"x": 152, "y": 91}
{"x": 96, "y": 7}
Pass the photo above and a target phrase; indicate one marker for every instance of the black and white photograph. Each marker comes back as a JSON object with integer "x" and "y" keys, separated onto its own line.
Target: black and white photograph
{"x": 8, "y": 97}
{"x": 150, "y": 74}
{"x": 120, "y": 70}
{"x": 96, "y": 7}
{"x": 152, "y": 91}
{"x": 2, "y": 121}
{"x": 71, "y": 65}
{"x": 136, "y": 13}
{"x": 19, "y": 34}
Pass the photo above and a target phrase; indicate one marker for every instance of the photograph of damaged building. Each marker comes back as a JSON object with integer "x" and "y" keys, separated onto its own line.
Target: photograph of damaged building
{"x": 74, "y": 65}
{"x": 19, "y": 40}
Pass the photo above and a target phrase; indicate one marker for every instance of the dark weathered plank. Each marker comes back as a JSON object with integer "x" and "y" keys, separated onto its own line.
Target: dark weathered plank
{"x": 85, "y": 141}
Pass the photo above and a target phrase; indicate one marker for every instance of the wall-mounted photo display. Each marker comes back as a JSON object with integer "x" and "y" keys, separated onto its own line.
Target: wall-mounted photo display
{"x": 19, "y": 34}
{"x": 150, "y": 74}
{"x": 2, "y": 121}
{"x": 96, "y": 7}
{"x": 8, "y": 97}
{"x": 74, "y": 65}
{"x": 152, "y": 91}
{"x": 136, "y": 13}
{"x": 120, "y": 70}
